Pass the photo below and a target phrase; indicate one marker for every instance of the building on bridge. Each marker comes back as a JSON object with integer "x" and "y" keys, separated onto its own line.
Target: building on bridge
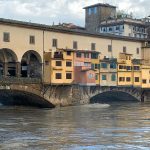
{"x": 60, "y": 56}
{"x": 131, "y": 72}
{"x": 108, "y": 72}
{"x": 103, "y": 18}
{"x": 89, "y": 68}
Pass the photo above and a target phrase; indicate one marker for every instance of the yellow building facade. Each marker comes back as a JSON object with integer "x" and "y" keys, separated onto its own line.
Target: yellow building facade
{"x": 59, "y": 67}
{"x": 131, "y": 72}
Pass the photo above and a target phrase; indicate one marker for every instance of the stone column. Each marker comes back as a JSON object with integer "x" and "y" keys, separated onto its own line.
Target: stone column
{"x": 28, "y": 65}
{"x": 18, "y": 69}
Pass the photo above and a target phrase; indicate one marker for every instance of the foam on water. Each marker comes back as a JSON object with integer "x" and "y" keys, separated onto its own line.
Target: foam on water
{"x": 97, "y": 105}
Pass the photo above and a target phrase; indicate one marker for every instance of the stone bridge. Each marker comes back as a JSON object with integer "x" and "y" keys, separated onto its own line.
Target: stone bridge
{"x": 32, "y": 91}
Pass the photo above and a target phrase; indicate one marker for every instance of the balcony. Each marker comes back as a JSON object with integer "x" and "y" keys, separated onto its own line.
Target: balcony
{"x": 58, "y": 56}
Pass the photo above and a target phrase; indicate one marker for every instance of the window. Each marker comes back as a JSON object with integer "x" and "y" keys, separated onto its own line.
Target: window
{"x": 137, "y": 51}
{"x": 122, "y": 67}
{"x": 58, "y": 75}
{"x": 103, "y": 77}
{"x": 94, "y": 55}
{"x": 103, "y": 65}
{"x": 95, "y": 10}
{"x": 86, "y": 55}
{"x": 113, "y": 77}
{"x": 113, "y": 65}
{"x": 87, "y": 64}
{"x": 75, "y": 45}
{"x": 58, "y": 63}
{"x": 104, "y": 29}
{"x": 93, "y": 66}
{"x": 93, "y": 46}
{"x": 129, "y": 57}
{"x": 58, "y": 55}
{"x": 91, "y": 75}
{"x": 6, "y": 37}
{"x": 96, "y": 77}
{"x": 110, "y": 28}
{"x": 121, "y": 79}
{"x": 69, "y": 53}
{"x": 128, "y": 79}
{"x": 89, "y": 11}
{"x": 136, "y": 67}
{"x": 109, "y": 48}
{"x": 68, "y": 75}
{"x": 128, "y": 67}
{"x": 54, "y": 42}
{"x": 32, "y": 39}
{"x": 136, "y": 79}
{"x": 124, "y": 49}
{"x": 78, "y": 54}
{"x": 97, "y": 66}
{"x": 144, "y": 81}
{"x": 117, "y": 28}
{"x": 92, "y": 10}
{"x": 68, "y": 63}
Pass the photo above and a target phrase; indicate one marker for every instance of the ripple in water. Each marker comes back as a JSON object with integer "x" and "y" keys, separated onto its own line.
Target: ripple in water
{"x": 97, "y": 105}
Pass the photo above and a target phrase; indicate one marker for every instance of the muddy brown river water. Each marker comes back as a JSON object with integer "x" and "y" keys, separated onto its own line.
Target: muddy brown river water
{"x": 121, "y": 126}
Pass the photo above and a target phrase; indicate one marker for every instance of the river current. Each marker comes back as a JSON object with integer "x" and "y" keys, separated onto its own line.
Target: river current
{"x": 118, "y": 126}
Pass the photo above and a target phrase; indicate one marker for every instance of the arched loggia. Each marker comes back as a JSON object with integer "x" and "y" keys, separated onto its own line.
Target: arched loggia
{"x": 31, "y": 64}
{"x": 8, "y": 63}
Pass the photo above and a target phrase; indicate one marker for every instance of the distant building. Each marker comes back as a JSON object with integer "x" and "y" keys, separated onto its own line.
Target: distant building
{"x": 97, "y": 13}
{"x": 69, "y": 26}
{"x": 147, "y": 21}
{"x": 124, "y": 27}
{"x": 103, "y": 18}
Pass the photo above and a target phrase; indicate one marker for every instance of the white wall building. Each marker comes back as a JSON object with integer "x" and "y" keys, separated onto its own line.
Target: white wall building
{"x": 124, "y": 27}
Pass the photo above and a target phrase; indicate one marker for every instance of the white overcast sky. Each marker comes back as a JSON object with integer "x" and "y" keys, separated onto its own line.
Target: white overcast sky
{"x": 49, "y": 11}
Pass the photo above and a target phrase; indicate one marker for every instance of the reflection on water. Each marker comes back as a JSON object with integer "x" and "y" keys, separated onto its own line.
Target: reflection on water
{"x": 90, "y": 127}
{"x": 96, "y": 105}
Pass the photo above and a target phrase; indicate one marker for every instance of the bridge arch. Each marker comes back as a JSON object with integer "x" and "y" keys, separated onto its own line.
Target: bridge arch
{"x": 19, "y": 98}
{"x": 31, "y": 64}
{"x": 8, "y": 62}
{"x": 92, "y": 94}
{"x": 113, "y": 96}
{"x": 24, "y": 95}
